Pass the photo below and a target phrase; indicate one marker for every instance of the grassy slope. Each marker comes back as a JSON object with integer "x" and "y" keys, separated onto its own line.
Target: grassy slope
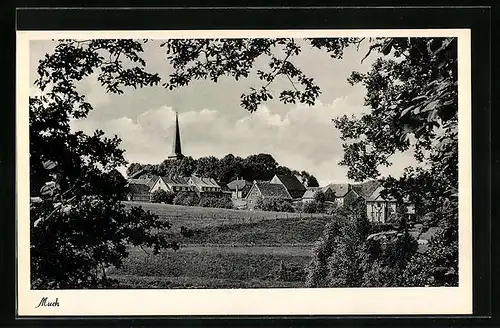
{"x": 224, "y": 251}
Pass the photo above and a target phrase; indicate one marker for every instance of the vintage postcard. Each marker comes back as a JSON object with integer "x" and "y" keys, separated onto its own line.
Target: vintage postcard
{"x": 249, "y": 172}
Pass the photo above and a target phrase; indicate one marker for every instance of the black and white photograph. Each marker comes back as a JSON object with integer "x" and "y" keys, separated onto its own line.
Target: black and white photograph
{"x": 233, "y": 162}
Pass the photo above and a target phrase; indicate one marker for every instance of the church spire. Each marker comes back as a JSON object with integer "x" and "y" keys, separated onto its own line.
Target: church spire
{"x": 176, "y": 146}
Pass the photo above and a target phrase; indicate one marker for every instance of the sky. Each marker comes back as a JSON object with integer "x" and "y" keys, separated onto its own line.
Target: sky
{"x": 213, "y": 123}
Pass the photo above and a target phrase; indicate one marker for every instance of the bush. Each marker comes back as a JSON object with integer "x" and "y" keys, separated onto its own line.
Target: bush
{"x": 162, "y": 196}
{"x": 274, "y": 205}
{"x": 217, "y": 202}
{"x": 313, "y": 207}
{"x": 186, "y": 199}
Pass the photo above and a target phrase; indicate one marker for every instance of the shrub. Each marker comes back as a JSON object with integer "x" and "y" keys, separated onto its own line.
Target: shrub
{"x": 319, "y": 196}
{"x": 217, "y": 202}
{"x": 274, "y": 205}
{"x": 186, "y": 199}
{"x": 313, "y": 207}
{"x": 162, "y": 196}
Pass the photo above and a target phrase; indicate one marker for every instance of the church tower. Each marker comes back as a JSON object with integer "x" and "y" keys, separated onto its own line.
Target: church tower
{"x": 176, "y": 146}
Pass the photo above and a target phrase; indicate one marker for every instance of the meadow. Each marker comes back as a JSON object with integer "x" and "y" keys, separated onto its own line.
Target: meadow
{"x": 226, "y": 249}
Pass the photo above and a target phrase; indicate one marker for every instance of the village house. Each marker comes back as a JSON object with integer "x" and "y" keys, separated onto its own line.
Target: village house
{"x": 381, "y": 209}
{"x": 344, "y": 193}
{"x": 294, "y": 187}
{"x": 172, "y": 184}
{"x": 139, "y": 190}
{"x": 266, "y": 190}
{"x": 206, "y": 187}
{"x": 311, "y": 191}
{"x": 239, "y": 188}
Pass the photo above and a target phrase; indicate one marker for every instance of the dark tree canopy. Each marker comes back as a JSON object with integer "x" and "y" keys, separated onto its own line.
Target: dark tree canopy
{"x": 225, "y": 169}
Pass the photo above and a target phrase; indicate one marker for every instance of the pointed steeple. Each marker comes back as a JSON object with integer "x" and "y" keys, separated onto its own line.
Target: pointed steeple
{"x": 176, "y": 145}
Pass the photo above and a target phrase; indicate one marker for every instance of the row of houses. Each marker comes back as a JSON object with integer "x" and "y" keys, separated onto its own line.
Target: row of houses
{"x": 140, "y": 189}
{"x": 379, "y": 209}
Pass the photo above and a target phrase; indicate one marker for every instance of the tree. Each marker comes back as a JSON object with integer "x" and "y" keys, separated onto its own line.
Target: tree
{"x": 259, "y": 167}
{"x": 337, "y": 260}
{"x": 312, "y": 181}
{"x": 79, "y": 228}
{"x": 207, "y": 167}
{"x": 230, "y": 168}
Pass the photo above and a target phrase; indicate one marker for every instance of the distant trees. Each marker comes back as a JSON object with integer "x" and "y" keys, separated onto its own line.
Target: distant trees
{"x": 225, "y": 169}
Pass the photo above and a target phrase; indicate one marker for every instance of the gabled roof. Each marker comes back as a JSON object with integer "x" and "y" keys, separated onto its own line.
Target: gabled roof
{"x": 376, "y": 195}
{"x": 139, "y": 185}
{"x": 291, "y": 182}
{"x": 340, "y": 189}
{"x": 309, "y": 194}
{"x": 147, "y": 182}
{"x": 366, "y": 189}
{"x": 175, "y": 181}
{"x": 238, "y": 183}
{"x": 272, "y": 190}
{"x": 204, "y": 182}
{"x": 136, "y": 174}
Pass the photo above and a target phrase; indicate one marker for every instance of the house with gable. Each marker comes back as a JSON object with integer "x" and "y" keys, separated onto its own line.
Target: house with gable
{"x": 311, "y": 191}
{"x": 266, "y": 190}
{"x": 381, "y": 209}
{"x": 239, "y": 188}
{"x": 171, "y": 184}
{"x": 344, "y": 193}
{"x": 206, "y": 187}
{"x": 293, "y": 186}
{"x": 139, "y": 190}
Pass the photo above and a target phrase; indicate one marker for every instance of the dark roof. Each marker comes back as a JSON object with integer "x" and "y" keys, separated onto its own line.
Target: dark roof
{"x": 147, "y": 182}
{"x": 272, "y": 190}
{"x": 136, "y": 187}
{"x": 377, "y": 196}
{"x": 366, "y": 189}
{"x": 238, "y": 183}
{"x": 291, "y": 182}
{"x": 204, "y": 182}
{"x": 340, "y": 189}
{"x": 175, "y": 181}
{"x": 136, "y": 174}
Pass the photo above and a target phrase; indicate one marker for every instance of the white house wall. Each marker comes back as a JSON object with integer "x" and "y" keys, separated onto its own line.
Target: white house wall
{"x": 160, "y": 184}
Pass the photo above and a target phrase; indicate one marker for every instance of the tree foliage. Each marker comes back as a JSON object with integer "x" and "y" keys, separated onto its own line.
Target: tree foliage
{"x": 79, "y": 228}
{"x": 224, "y": 170}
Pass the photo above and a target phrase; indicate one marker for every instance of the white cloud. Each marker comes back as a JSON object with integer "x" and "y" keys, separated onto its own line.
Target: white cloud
{"x": 303, "y": 138}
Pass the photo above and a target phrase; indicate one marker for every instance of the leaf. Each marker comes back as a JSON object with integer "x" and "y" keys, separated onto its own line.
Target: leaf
{"x": 419, "y": 98}
{"x": 386, "y": 49}
{"x": 48, "y": 188}
{"x": 49, "y": 165}
{"x": 430, "y": 106}
{"x": 405, "y": 111}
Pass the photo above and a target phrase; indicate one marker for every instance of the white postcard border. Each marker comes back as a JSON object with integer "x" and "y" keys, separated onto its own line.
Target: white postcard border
{"x": 293, "y": 301}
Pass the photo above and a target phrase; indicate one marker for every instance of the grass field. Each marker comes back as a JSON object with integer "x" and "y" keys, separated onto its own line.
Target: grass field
{"x": 228, "y": 249}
